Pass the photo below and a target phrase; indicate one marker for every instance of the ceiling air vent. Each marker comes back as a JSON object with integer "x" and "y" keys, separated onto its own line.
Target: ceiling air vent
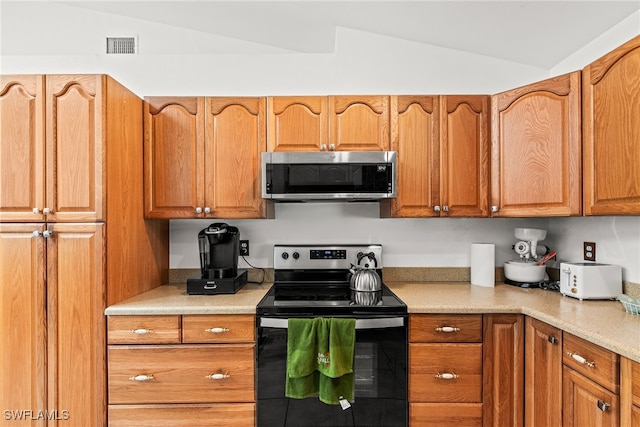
{"x": 117, "y": 45}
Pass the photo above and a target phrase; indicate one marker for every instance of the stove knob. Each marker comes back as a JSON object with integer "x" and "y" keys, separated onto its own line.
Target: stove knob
{"x": 295, "y": 255}
{"x": 285, "y": 255}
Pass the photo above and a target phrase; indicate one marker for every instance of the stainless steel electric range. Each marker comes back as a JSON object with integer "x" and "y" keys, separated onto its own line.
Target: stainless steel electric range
{"x": 312, "y": 281}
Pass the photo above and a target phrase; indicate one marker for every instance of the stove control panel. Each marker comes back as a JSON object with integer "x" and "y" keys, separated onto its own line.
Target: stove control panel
{"x": 322, "y": 256}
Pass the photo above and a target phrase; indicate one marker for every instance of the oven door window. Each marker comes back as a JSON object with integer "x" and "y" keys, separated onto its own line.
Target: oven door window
{"x": 380, "y": 370}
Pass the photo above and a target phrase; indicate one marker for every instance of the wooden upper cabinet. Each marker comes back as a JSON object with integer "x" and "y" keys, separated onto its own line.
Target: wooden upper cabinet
{"x": 415, "y": 138}
{"x": 443, "y": 155}
{"x": 22, "y": 147}
{"x": 236, "y": 135}
{"x": 173, "y": 156}
{"x": 611, "y": 129}
{"x": 464, "y": 155}
{"x": 359, "y": 123}
{"x": 297, "y": 123}
{"x": 202, "y": 157}
{"x": 333, "y": 123}
{"x": 74, "y": 147}
{"x": 536, "y": 149}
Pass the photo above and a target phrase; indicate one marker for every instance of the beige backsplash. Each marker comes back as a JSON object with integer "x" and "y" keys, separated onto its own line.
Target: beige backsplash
{"x": 391, "y": 274}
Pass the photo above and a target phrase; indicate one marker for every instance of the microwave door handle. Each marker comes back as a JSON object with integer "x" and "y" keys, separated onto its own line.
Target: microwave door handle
{"x": 372, "y": 323}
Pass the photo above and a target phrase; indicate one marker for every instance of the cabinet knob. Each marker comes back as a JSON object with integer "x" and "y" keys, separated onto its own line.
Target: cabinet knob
{"x": 436, "y": 208}
{"x": 47, "y": 211}
{"x": 494, "y": 209}
{"x": 36, "y": 233}
{"x": 198, "y": 210}
{"x": 603, "y": 406}
{"x": 445, "y": 208}
{"x": 332, "y": 147}
{"x": 218, "y": 376}
{"x": 217, "y": 330}
{"x": 447, "y": 376}
{"x": 142, "y": 331}
{"x": 37, "y": 211}
{"x": 46, "y": 234}
{"x": 447, "y": 329}
{"x": 552, "y": 339}
{"x": 323, "y": 147}
{"x": 141, "y": 377}
{"x": 580, "y": 359}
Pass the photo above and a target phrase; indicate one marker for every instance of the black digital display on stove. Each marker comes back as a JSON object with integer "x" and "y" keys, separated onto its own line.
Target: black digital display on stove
{"x": 327, "y": 254}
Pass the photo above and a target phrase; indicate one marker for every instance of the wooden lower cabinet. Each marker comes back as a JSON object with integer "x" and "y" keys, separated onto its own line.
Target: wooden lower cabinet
{"x": 503, "y": 370}
{"x": 445, "y": 370}
{"x": 543, "y": 374}
{"x": 205, "y": 379}
{"x": 629, "y": 393}
{"x": 196, "y": 415}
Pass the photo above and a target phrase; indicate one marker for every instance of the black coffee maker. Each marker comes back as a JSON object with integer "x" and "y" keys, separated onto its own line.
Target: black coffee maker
{"x": 219, "y": 246}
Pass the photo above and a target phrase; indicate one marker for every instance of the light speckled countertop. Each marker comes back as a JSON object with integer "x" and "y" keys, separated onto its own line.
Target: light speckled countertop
{"x": 602, "y": 322}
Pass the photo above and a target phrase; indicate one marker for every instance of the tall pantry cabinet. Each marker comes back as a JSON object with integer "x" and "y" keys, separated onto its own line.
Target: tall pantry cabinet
{"x": 72, "y": 240}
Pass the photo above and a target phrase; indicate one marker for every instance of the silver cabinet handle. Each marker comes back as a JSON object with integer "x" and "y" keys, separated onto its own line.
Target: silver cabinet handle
{"x": 436, "y": 208}
{"x": 207, "y": 210}
{"x": 198, "y": 210}
{"x": 603, "y": 406}
{"x": 494, "y": 209}
{"x": 447, "y": 376}
{"x": 141, "y": 331}
{"x": 141, "y": 377}
{"x": 217, "y": 330}
{"x": 552, "y": 339}
{"x": 580, "y": 359}
{"x": 218, "y": 376}
{"x": 447, "y": 329}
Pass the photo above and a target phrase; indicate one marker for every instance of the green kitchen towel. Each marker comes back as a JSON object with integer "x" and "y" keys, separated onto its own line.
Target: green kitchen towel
{"x": 320, "y": 355}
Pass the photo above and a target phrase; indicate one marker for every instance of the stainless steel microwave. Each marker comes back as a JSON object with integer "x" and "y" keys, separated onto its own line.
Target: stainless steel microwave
{"x": 329, "y": 175}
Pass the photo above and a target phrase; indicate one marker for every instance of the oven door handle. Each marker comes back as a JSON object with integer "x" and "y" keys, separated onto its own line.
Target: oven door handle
{"x": 373, "y": 323}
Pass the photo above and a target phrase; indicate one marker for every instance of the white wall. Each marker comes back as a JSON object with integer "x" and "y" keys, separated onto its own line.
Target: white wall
{"x": 57, "y": 38}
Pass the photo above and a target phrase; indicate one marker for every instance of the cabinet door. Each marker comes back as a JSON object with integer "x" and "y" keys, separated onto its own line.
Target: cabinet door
{"x": 76, "y": 324}
{"x": 543, "y": 376}
{"x": 503, "y": 374}
{"x": 297, "y": 123}
{"x": 611, "y": 91}
{"x": 415, "y": 137}
{"x": 236, "y": 137}
{"x": 22, "y": 322}
{"x": 629, "y": 393}
{"x": 22, "y": 148}
{"x": 74, "y": 148}
{"x": 536, "y": 149}
{"x": 359, "y": 123}
{"x": 174, "y": 157}
{"x": 464, "y": 153}
{"x": 587, "y": 403}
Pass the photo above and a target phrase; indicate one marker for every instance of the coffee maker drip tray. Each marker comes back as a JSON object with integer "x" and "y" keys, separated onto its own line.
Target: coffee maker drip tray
{"x": 225, "y": 285}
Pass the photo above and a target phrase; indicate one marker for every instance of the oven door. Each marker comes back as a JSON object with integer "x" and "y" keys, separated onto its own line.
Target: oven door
{"x": 380, "y": 370}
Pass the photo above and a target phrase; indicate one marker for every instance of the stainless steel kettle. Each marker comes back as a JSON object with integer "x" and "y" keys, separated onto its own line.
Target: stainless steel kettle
{"x": 365, "y": 278}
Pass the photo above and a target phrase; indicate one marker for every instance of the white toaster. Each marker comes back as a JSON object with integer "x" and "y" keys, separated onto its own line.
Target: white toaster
{"x": 588, "y": 280}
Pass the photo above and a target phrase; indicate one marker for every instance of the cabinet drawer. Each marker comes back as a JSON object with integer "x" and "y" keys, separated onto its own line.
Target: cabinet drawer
{"x": 445, "y": 414}
{"x": 445, "y": 328}
{"x": 143, "y": 329}
{"x": 431, "y": 364}
{"x": 181, "y": 374}
{"x": 218, "y": 329}
{"x": 592, "y": 361}
{"x": 212, "y": 415}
